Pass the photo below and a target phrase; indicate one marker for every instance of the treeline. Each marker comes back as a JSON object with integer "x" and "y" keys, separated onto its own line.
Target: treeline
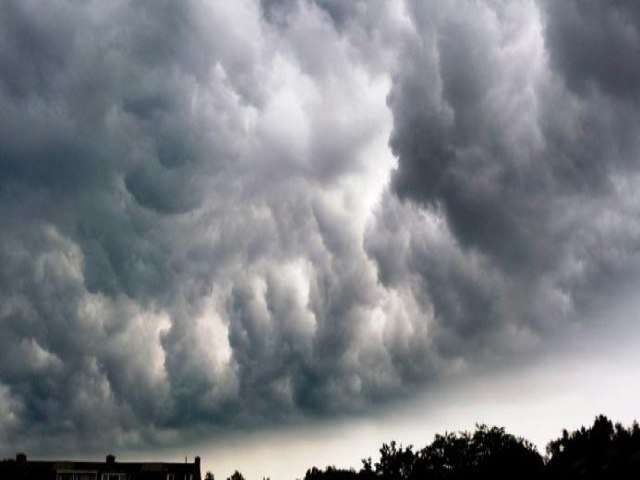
{"x": 602, "y": 451}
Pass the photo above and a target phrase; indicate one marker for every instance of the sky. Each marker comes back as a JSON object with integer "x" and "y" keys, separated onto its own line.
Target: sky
{"x": 277, "y": 233}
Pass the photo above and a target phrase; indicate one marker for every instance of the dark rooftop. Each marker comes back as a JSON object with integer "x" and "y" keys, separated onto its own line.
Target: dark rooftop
{"x": 21, "y": 468}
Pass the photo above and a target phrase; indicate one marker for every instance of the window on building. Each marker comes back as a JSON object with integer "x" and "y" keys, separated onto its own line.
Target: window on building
{"x": 85, "y": 476}
{"x": 77, "y": 476}
{"x": 114, "y": 476}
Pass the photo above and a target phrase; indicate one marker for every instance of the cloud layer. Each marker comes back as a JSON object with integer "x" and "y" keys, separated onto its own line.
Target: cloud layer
{"x": 203, "y": 226}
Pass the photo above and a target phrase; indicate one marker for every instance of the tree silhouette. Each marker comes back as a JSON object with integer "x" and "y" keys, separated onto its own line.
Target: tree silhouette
{"x": 395, "y": 462}
{"x": 487, "y": 453}
{"x": 209, "y": 476}
{"x": 601, "y": 451}
{"x": 330, "y": 473}
{"x": 236, "y": 476}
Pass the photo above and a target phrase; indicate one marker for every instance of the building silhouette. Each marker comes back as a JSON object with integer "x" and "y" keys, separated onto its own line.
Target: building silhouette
{"x": 21, "y": 468}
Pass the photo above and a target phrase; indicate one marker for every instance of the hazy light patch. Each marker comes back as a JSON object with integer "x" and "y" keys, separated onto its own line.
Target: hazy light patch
{"x": 38, "y": 358}
{"x": 9, "y": 410}
{"x": 283, "y": 124}
{"x": 212, "y": 339}
{"x": 364, "y": 191}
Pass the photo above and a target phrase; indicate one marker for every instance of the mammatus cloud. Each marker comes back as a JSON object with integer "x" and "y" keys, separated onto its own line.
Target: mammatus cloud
{"x": 198, "y": 228}
{"x": 532, "y": 176}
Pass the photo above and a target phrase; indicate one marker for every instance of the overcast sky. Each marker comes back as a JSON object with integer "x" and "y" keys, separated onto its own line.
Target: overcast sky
{"x": 318, "y": 225}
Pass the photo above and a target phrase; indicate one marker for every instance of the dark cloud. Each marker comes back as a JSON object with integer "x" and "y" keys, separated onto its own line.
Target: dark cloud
{"x": 339, "y": 12}
{"x": 517, "y": 165}
{"x": 595, "y": 45}
{"x": 196, "y": 233}
{"x": 178, "y": 252}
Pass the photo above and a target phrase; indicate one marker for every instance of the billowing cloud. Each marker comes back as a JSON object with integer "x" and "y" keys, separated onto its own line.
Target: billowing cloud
{"x": 203, "y": 226}
{"x": 531, "y": 177}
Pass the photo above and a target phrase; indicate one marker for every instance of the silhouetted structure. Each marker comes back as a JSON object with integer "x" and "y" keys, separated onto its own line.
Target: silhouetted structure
{"x": 23, "y": 469}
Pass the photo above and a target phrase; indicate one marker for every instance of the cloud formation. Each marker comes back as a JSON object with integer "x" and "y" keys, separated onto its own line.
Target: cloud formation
{"x": 203, "y": 227}
{"x": 532, "y": 174}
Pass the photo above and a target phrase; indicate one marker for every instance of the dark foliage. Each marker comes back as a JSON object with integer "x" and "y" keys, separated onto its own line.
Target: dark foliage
{"x": 236, "y": 476}
{"x": 331, "y": 473}
{"x": 487, "y": 452}
{"x": 602, "y": 451}
{"x": 599, "y": 452}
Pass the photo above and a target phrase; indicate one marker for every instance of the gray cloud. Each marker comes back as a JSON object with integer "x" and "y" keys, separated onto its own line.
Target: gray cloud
{"x": 178, "y": 253}
{"x": 593, "y": 45}
{"x": 197, "y": 232}
{"x": 524, "y": 172}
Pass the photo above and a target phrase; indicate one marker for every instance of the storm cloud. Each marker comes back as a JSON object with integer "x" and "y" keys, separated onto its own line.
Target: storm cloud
{"x": 530, "y": 174}
{"x": 220, "y": 215}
